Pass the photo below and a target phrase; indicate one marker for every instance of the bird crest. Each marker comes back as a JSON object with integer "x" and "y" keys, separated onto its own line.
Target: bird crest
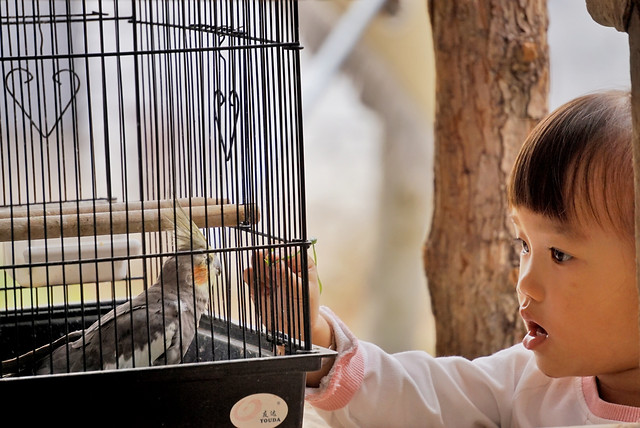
{"x": 186, "y": 231}
{"x": 189, "y": 237}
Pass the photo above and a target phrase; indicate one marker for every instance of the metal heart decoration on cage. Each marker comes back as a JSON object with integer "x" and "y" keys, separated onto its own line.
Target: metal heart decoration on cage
{"x": 227, "y": 113}
{"x": 32, "y": 96}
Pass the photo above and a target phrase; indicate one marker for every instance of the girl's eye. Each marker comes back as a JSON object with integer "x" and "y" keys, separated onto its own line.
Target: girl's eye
{"x": 524, "y": 246}
{"x": 560, "y": 257}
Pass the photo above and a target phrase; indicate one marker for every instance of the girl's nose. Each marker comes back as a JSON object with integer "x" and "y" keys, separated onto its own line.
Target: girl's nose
{"x": 529, "y": 283}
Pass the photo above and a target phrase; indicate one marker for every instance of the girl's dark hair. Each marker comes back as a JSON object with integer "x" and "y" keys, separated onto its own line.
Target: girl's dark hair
{"x": 576, "y": 165}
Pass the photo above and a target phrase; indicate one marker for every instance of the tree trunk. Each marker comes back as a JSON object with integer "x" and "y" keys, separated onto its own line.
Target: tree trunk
{"x": 491, "y": 89}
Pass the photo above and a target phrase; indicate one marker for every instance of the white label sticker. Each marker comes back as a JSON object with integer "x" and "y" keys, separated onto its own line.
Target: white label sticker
{"x": 259, "y": 410}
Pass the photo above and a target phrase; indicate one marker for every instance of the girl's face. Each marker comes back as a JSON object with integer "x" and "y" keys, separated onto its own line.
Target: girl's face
{"x": 578, "y": 298}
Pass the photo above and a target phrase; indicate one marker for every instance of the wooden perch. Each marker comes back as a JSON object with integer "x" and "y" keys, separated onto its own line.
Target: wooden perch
{"x": 87, "y": 222}
{"x": 100, "y": 206}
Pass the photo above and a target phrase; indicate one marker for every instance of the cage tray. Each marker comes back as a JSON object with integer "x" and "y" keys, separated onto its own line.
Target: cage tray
{"x": 235, "y": 382}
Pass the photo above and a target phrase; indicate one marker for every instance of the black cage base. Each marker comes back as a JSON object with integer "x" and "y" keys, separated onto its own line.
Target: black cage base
{"x": 229, "y": 379}
{"x": 266, "y": 392}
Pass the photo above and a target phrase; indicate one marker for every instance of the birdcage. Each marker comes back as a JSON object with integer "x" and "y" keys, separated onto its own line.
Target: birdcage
{"x": 114, "y": 116}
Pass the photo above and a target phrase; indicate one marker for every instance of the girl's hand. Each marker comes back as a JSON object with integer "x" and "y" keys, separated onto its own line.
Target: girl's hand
{"x": 276, "y": 281}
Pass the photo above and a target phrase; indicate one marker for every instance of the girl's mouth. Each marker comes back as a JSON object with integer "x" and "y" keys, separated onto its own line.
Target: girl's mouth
{"x": 535, "y": 335}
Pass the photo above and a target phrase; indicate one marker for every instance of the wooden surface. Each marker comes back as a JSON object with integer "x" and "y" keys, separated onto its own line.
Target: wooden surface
{"x": 150, "y": 216}
{"x": 100, "y": 206}
{"x": 492, "y": 72}
{"x": 611, "y": 13}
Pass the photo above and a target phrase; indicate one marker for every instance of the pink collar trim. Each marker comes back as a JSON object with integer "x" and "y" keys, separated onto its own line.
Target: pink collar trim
{"x": 603, "y": 409}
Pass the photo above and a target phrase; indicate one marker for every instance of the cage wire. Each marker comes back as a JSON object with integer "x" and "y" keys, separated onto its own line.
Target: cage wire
{"x": 111, "y": 110}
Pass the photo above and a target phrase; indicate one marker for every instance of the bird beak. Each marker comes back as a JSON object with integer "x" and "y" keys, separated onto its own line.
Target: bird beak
{"x": 215, "y": 264}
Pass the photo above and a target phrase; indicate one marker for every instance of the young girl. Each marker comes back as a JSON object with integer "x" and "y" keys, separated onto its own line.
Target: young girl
{"x": 571, "y": 200}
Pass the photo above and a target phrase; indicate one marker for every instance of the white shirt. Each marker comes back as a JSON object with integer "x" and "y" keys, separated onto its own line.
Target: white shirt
{"x": 370, "y": 388}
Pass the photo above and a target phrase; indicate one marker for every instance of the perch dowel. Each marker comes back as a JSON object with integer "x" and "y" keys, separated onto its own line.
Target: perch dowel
{"x": 100, "y": 206}
{"x": 117, "y": 222}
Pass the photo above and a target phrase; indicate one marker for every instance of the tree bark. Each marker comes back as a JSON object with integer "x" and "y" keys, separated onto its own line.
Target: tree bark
{"x": 491, "y": 89}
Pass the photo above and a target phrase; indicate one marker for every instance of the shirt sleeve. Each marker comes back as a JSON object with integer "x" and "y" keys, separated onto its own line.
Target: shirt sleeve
{"x": 368, "y": 387}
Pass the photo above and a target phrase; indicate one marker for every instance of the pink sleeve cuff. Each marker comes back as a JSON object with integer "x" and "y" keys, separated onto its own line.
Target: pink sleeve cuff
{"x": 338, "y": 387}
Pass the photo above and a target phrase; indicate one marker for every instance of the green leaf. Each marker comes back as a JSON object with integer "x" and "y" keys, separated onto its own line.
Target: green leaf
{"x": 315, "y": 260}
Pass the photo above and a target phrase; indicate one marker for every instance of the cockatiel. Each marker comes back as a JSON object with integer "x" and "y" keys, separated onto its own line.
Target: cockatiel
{"x": 159, "y": 325}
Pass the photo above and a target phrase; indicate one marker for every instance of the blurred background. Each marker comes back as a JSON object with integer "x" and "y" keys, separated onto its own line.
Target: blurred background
{"x": 368, "y": 92}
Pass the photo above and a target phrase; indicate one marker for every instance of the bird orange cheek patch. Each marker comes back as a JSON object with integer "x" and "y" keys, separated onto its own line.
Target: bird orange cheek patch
{"x": 200, "y": 274}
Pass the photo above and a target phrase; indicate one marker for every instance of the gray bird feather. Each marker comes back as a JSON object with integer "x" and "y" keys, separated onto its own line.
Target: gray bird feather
{"x": 157, "y": 326}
